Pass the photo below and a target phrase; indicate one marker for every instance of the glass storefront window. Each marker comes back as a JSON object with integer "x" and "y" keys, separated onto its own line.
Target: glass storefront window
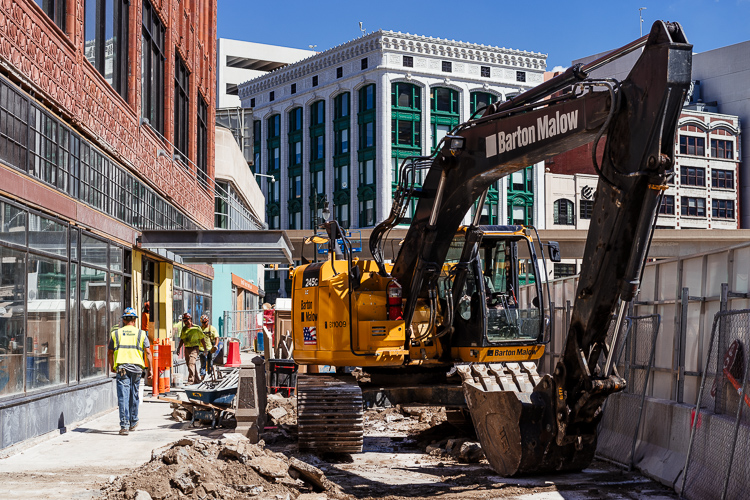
{"x": 93, "y": 251}
{"x": 115, "y": 301}
{"x": 93, "y": 336}
{"x": 47, "y": 235}
{"x": 115, "y": 258}
{"x": 74, "y": 244}
{"x": 12, "y": 294}
{"x": 12, "y": 225}
{"x": 73, "y": 330}
{"x": 46, "y": 323}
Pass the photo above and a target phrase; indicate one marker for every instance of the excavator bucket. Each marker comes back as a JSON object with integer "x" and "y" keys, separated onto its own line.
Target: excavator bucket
{"x": 511, "y": 407}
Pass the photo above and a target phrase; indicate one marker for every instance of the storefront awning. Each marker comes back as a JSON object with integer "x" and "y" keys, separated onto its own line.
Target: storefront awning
{"x": 220, "y": 246}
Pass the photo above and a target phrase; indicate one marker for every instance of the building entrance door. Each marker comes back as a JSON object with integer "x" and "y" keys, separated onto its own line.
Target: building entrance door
{"x": 149, "y": 292}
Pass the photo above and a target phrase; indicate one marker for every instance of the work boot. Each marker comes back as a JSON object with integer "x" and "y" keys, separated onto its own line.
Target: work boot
{"x": 133, "y": 426}
{"x": 124, "y": 431}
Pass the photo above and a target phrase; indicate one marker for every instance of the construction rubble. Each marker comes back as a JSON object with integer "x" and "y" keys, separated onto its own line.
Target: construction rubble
{"x": 228, "y": 468}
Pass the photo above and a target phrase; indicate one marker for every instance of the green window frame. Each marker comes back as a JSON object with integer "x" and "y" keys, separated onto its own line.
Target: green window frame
{"x": 490, "y": 209}
{"x": 257, "y": 146}
{"x": 367, "y": 156}
{"x": 406, "y": 134}
{"x": 317, "y": 161}
{"x": 444, "y": 112}
{"x": 481, "y": 100}
{"x": 273, "y": 163}
{"x": 342, "y": 158}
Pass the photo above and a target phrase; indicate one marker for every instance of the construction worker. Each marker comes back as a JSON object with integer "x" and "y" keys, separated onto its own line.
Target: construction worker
{"x": 191, "y": 337}
{"x": 128, "y": 353}
{"x": 211, "y": 337}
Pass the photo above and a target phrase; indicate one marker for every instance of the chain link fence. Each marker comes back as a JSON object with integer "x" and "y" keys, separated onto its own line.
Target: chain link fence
{"x": 623, "y": 413}
{"x": 718, "y": 457}
{"x": 246, "y": 326}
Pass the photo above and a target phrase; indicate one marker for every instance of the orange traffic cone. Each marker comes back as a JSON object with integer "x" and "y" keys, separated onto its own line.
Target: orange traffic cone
{"x": 233, "y": 353}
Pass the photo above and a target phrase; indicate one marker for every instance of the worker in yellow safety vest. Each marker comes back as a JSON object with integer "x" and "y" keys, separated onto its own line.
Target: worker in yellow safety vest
{"x": 128, "y": 352}
{"x": 191, "y": 337}
{"x": 211, "y": 336}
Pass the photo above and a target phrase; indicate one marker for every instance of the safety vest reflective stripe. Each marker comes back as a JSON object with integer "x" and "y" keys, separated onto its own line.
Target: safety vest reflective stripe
{"x": 127, "y": 352}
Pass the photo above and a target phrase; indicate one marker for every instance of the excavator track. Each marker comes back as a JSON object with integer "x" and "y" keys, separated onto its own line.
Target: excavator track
{"x": 329, "y": 414}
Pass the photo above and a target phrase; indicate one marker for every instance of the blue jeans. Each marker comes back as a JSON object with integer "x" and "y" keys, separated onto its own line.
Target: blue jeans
{"x": 127, "y": 397}
{"x": 207, "y": 361}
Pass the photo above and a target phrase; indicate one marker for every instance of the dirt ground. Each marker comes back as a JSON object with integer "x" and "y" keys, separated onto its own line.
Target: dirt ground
{"x": 409, "y": 453}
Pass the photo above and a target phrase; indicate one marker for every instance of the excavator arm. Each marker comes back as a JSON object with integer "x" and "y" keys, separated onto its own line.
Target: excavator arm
{"x": 554, "y": 427}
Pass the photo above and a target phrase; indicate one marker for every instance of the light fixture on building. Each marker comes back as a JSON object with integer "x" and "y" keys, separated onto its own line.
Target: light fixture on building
{"x": 273, "y": 179}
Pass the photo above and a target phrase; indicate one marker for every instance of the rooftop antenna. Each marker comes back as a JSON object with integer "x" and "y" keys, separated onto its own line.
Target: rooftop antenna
{"x": 362, "y": 29}
{"x": 640, "y": 16}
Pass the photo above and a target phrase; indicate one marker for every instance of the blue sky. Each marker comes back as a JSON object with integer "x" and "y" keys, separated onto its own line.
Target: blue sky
{"x": 563, "y": 30}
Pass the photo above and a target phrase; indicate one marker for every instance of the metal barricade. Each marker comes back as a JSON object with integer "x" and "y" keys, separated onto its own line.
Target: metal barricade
{"x": 245, "y": 325}
{"x": 718, "y": 457}
{"x": 623, "y": 413}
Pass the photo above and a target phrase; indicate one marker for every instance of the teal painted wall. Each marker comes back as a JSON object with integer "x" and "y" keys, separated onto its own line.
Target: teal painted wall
{"x": 222, "y": 292}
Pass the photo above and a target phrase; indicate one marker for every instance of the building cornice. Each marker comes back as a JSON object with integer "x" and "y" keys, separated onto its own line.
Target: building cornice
{"x": 392, "y": 42}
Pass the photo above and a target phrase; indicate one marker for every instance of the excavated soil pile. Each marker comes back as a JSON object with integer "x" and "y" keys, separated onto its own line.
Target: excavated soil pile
{"x": 230, "y": 468}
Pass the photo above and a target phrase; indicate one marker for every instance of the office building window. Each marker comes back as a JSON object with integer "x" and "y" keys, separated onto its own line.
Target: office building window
{"x": 690, "y": 145}
{"x": 480, "y": 100}
{"x": 722, "y": 209}
{"x": 315, "y": 81}
{"x": 339, "y": 72}
{"x": 363, "y": 63}
{"x": 445, "y": 114}
{"x": 106, "y": 39}
{"x": 520, "y": 76}
{"x": 294, "y": 88}
{"x": 152, "y": 68}
{"x": 722, "y": 179}
{"x": 55, "y": 10}
{"x": 721, "y": 148}
{"x": 667, "y": 205}
{"x": 366, "y": 156}
{"x": 562, "y": 212}
{"x": 485, "y": 71}
{"x": 693, "y": 207}
{"x": 272, "y": 96}
{"x": 408, "y": 61}
{"x": 447, "y": 67}
{"x": 201, "y": 159}
{"x": 181, "y": 107}
{"x": 693, "y": 176}
{"x": 586, "y": 209}
{"x": 256, "y": 146}
{"x": 342, "y": 157}
{"x": 252, "y": 102}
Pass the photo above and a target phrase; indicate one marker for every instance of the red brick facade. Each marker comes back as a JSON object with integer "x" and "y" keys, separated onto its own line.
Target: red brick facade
{"x": 49, "y": 63}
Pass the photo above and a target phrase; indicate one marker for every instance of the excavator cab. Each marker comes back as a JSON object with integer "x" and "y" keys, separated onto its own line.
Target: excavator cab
{"x": 491, "y": 309}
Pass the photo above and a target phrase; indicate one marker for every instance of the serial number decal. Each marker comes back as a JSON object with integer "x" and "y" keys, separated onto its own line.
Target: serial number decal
{"x": 337, "y": 324}
{"x": 310, "y": 282}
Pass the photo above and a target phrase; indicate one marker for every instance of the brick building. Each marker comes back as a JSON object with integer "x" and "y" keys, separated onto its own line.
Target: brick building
{"x": 106, "y": 130}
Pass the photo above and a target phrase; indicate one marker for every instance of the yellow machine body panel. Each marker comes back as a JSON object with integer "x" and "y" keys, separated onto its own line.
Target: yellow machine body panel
{"x": 323, "y": 331}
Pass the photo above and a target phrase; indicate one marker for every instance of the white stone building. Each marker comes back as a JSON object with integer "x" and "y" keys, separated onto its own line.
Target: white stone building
{"x": 332, "y": 127}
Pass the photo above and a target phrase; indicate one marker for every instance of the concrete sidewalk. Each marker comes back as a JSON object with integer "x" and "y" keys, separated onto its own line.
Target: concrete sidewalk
{"x": 75, "y": 464}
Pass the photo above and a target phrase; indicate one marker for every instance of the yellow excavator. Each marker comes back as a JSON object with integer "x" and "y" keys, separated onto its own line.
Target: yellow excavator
{"x": 460, "y": 317}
